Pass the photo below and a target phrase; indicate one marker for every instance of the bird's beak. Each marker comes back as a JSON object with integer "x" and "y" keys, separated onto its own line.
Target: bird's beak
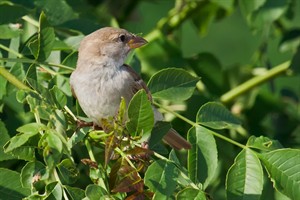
{"x": 136, "y": 42}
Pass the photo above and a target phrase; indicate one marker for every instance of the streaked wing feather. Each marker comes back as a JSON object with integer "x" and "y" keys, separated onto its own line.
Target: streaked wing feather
{"x": 138, "y": 82}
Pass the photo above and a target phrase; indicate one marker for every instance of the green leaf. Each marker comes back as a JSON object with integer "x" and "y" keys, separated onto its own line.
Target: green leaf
{"x": 140, "y": 114}
{"x": 52, "y": 148}
{"x": 216, "y": 116}
{"x": 54, "y": 9}
{"x": 27, "y": 131}
{"x": 203, "y": 156}
{"x": 248, "y": 7}
{"x": 296, "y": 61}
{"x": 32, "y": 173}
{"x": 172, "y": 84}
{"x": 10, "y": 186}
{"x": 41, "y": 46}
{"x": 32, "y": 128}
{"x": 3, "y": 90}
{"x": 11, "y": 13}
{"x": 23, "y": 153}
{"x": 228, "y": 4}
{"x": 77, "y": 136}
{"x": 63, "y": 84}
{"x": 268, "y": 12}
{"x": 283, "y": 167}
{"x": 159, "y": 130}
{"x": 263, "y": 143}
{"x": 58, "y": 120}
{"x": 54, "y": 191}
{"x": 8, "y": 31}
{"x": 4, "y": 138}
{"x": 68, "y": 171}
{"x": 95, "y": 192}
{"x": 245, "y": 177}
{"x": 75, "y": 193}
{"x": 161, "y": 178}
{"x": 290, "y": 40}
{"x": 191, "y": 193}
{"x": 58, "y": 96}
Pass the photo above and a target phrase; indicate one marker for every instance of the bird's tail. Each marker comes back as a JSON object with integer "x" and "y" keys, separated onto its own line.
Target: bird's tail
{"x": 176, "y": 141}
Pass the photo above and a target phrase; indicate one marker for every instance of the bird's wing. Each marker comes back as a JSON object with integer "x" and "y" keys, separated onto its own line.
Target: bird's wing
{"x": 138, "y": 82}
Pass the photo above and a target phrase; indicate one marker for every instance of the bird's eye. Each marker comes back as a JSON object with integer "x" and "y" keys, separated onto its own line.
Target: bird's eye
{"x": 122, "y": 38}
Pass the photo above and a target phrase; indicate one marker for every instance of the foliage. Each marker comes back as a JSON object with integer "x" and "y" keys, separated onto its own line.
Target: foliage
{"x": 242, "y": 117}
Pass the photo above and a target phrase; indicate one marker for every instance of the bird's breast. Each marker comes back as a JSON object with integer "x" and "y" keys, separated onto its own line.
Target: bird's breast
{"x": 99, "y": 91}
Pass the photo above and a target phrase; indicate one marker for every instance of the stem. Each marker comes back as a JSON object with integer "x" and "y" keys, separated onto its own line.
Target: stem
{"x": 92, "y": 157}
{"x": 89, "y": 149}
{"x": 10, "y": 51}
{"x": 227, "y": 139}
{"x": 31, "y": 61}
{"x": 31, "y": 21}
{"x": 255, "y": 81}
{"x": 197, "y": 125}
{"x": 70, "y": 113}
{"x": 58, "y": 180}
{"x": 13, "y": 80}
{"x": 176, "y": 114}
{"x": 125, "y": 157}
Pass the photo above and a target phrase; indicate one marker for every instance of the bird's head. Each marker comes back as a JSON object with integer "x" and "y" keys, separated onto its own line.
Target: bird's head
{"x": 109, "y": 43}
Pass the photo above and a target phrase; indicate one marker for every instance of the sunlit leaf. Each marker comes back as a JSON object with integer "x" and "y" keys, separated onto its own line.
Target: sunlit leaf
{"x": 245, "y": 177}
{"x": 32, "y": 173}
{"x": 8, "y": 31}
{"x": 191, "y": 193}
{"x": 140, "y": 114}
{"x": 283, "y": 168}
{"x": 26, "y": 132}
{"x": 23, "y": 153}
{"x": 75, "y": 193}
{"x": 54, "y": 191}
{"x": 10, "y": 186}
{"x": 52, "y": 148}
{"x": 263, "y": 143}
{"x": 77, "y": 137}
{"x": 172, "y": 84}
{"x": 58, "y": 96}
{"x": 203, "y": 156}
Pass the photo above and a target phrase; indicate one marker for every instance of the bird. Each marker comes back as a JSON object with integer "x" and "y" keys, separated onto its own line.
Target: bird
{"x": 101, "y": 78}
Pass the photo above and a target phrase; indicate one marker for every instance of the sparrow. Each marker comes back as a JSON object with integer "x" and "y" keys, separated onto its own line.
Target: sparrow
{"x": 101, "y": 78}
